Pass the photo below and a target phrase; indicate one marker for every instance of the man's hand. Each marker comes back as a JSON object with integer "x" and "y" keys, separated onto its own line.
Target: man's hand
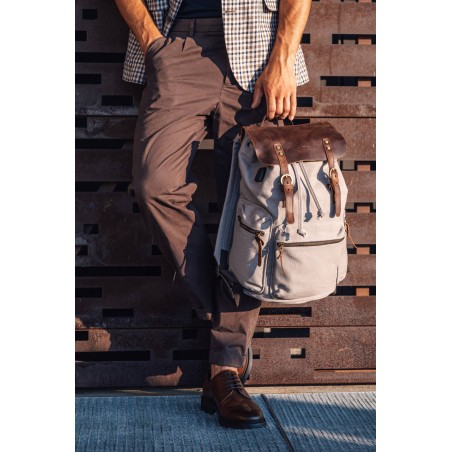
{"x": 277, "y": 82}
{"x": 137, "y": 17}
{"x": 145, "y": 45}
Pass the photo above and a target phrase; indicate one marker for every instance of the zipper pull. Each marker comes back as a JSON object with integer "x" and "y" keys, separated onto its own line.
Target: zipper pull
{"x": 279, "y": 257}
{"x": 347, "y": 230}
{"x": 260, "y": 243}
{"x": 335, "y": 189}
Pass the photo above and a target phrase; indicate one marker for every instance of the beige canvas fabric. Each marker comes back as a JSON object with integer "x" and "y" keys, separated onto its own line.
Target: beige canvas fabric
{"x": 301, "y": 262}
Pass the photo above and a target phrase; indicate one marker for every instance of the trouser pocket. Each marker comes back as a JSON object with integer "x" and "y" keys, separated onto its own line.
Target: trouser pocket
{"x": 249, "y": 251}
{"x": 307, "y": 270}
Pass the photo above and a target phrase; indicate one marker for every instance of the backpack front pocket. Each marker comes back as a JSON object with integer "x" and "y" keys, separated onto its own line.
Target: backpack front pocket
{"x": 306, "y": 270}
{"x": 249, "y": 251}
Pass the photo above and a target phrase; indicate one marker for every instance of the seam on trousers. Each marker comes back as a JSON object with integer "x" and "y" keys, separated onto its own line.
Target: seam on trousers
{"x": 216, "y": 115}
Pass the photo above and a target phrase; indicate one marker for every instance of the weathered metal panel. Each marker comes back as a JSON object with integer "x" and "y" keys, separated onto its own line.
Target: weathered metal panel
{"x": 126, "y": 301}
{"x": 333, "y": 102}
{"x": 339, "y": 60}
{"x": 286, "y": 356}
{"x": 106, "y": 33}
{"x": 328, "y": 17}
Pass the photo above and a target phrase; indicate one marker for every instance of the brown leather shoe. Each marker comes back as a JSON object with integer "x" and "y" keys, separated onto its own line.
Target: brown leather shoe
{"x": 225, "y": 393}
{"x": 244, "y": 371}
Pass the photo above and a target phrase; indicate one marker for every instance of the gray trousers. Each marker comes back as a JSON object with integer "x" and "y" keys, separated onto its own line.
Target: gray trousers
{"x": 190, "y": 89}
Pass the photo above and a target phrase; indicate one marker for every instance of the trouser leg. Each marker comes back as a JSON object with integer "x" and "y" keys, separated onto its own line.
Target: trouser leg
{"x": 164, "y": 193}
{"x": 174, "y": 113}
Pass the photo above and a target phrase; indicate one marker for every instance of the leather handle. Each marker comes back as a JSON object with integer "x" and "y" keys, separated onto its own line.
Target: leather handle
{"x": 280, "y": 122}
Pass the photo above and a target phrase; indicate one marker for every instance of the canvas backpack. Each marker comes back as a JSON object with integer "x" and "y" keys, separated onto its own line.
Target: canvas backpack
{"x": 283, "y": 234}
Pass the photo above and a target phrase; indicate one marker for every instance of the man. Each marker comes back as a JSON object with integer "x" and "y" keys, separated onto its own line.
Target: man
{"x": 219, "y": 65}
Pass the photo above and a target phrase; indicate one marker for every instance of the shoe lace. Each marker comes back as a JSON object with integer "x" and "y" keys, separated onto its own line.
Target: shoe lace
{"x": 232, "y": 381}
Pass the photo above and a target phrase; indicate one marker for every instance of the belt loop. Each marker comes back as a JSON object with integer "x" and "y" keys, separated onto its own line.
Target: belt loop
{"x": 192, "y": 27}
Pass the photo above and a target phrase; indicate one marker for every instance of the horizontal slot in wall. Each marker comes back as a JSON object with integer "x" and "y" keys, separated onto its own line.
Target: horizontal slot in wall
{"x": 358, "y": 81}
{"x": 354, "y": 39}
{"x": 117, "y": 271}
{"x": 112, "y": 356}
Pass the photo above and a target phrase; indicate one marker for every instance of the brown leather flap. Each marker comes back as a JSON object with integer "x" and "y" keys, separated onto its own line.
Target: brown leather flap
{"x": 300, "y": 142}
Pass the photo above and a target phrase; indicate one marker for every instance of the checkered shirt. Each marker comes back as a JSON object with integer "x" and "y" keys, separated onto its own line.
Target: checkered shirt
{"x": 250, "y": 30}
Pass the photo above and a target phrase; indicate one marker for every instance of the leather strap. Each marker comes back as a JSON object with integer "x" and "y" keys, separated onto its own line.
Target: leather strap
{"x": 333, "y": 175}
{"x": 286, "y": 182}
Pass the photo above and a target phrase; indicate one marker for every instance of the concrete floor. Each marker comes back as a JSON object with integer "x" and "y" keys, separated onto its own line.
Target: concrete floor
{"x": 299, "y": 418}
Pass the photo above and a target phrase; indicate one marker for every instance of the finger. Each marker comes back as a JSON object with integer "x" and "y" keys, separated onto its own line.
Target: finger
{"x": 293, "y": 105}
{"x": 286, "y": 107}
{"x": 279, "y": 106}
{"x": 257, "y": 96}
{"x": 271, "y": 106}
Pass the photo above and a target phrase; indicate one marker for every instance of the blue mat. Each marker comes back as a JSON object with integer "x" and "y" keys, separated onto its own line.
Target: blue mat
{"x": 327, "y": 422}
{"x": 303, "y": 422}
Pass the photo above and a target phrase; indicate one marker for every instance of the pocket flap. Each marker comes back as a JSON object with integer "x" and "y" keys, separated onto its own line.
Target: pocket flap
{"x": 300, "y": 142}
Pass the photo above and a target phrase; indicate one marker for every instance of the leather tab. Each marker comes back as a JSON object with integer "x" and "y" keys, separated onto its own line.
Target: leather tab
{"x": 333, "y": 175}
{"x": 286, "y": 182}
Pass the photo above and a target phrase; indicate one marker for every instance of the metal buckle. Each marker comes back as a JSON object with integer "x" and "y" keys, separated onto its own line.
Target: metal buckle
{"x": 286, "y": 175}
{"x": 333, "y": 173}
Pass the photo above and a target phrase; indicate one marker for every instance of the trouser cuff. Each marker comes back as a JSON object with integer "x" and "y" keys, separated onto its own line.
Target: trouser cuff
{"x": 233, "y": 357}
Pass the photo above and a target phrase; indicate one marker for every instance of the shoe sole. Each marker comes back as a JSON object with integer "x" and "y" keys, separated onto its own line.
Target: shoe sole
{"x": 242, "y": 425}
{"x": 208, "y": 406}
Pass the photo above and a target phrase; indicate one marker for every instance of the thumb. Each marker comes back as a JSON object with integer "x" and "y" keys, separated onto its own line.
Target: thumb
{"x": 257, "y": 96}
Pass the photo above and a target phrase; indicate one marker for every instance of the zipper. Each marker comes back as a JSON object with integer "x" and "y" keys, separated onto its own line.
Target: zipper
{"x": 315, "y": 243}
{"x": 257, "y": 235}
{"x": 320, "y": 212}
{"x": 282, "y": 245}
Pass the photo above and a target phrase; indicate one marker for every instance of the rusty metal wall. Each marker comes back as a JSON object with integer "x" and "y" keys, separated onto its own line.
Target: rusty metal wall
{"x": 133, "y": 327}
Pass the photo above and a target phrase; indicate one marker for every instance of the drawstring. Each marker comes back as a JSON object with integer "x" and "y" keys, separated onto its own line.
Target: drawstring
{"x": 320, "y": 212}
{"x": 347, "y": 230}
{"x": 300, "y": 230}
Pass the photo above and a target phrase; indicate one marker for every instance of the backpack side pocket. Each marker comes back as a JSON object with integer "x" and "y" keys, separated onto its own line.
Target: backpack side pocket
{"x": 249, "y": 251}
